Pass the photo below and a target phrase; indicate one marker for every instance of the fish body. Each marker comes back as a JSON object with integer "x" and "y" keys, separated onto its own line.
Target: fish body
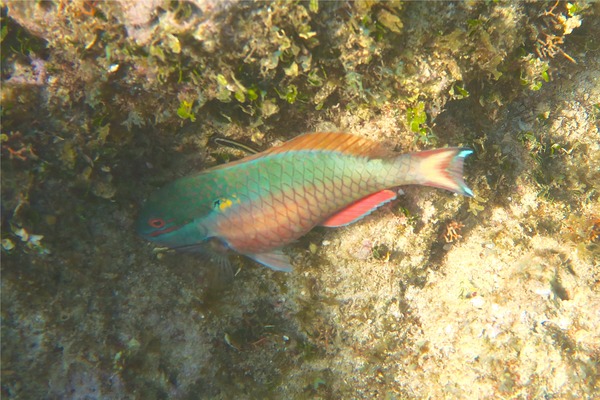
{"x": 260, "y": 203}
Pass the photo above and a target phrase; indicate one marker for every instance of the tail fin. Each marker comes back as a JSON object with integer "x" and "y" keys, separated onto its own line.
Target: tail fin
{"x": 443, "y": 168}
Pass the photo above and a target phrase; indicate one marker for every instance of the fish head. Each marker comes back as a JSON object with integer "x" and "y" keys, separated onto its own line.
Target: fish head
{"x": 168, "y": 219}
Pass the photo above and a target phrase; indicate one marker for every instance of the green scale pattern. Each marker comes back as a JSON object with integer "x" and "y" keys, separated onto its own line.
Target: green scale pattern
{"x": 278, "y": 198}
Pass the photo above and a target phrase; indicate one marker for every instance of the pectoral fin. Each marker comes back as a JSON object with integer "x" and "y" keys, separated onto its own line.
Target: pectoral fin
{"x": 275, "y": 260}
{"x": 359, "y": 209}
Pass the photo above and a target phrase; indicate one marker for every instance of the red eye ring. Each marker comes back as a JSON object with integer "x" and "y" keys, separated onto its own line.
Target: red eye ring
{"x": 156, "y": 223}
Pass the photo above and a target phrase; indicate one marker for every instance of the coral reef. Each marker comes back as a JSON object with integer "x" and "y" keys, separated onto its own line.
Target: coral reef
{"x": 433, "y": 296}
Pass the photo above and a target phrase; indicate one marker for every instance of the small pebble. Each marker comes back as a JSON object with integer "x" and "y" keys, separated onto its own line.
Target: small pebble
{"x": 477, "y": 302}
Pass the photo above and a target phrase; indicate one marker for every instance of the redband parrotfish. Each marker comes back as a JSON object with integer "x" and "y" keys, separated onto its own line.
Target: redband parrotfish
{"x": 262, "y": 202}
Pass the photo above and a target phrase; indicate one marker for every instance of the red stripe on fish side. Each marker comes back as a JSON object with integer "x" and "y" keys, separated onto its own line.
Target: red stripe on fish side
{"x": 359, "y": 209}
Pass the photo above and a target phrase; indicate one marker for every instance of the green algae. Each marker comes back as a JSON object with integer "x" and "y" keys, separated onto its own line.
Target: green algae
{"x": 104, "y": 101}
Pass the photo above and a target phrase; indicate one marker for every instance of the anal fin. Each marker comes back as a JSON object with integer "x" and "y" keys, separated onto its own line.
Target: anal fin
{"x": 359, "y": 209}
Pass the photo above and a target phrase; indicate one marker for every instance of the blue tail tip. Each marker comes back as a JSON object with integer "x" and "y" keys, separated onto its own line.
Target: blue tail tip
{"x": 466, "y": 190}
{"x": 464, "y": 153}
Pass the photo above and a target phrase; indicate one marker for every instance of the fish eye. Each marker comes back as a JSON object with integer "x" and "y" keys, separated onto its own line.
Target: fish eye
{"x": 156, "y": 223}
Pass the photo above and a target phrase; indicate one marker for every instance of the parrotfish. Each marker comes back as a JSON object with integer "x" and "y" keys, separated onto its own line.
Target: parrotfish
{"x": 258, "y": 204}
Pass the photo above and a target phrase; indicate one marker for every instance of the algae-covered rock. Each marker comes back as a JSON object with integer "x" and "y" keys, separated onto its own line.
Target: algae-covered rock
{"x": 431, "y": 296}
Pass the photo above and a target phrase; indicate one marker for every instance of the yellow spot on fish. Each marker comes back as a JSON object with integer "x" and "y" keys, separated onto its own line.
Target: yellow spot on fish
{"x": 224, "y": 204}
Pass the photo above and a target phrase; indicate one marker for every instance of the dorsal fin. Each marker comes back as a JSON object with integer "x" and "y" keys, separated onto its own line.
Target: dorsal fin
{"x": 359, "y": 209}
{"x": 332, "y": 141}
{"x": 328, "y": 141}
